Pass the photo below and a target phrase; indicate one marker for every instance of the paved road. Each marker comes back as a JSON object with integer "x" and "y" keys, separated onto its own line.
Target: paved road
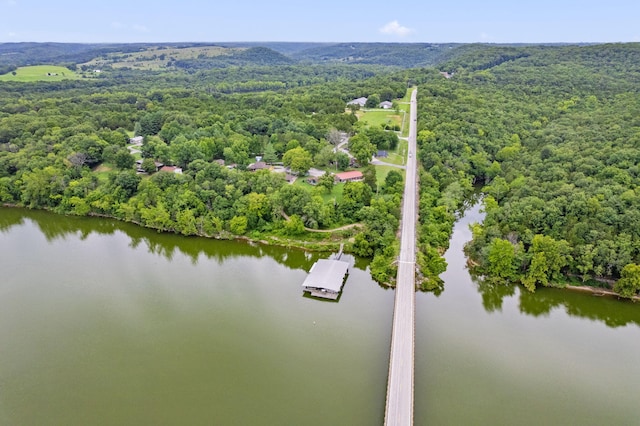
{"x": 399, "y": 407}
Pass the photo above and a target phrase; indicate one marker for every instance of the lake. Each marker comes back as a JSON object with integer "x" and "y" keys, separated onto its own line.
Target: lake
{"x": 107, "y": 323}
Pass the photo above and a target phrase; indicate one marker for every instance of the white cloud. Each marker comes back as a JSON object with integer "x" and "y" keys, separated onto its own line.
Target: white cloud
{"x": 140, "y": 28}
{"x": 9, "y": 2}
{"x": 117, "y": 25}
{"x": 11, "y": 34}
{"x": 394, "y": 28}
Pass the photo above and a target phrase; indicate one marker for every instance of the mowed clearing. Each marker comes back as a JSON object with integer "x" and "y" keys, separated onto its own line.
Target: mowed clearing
{"x": 158, "y": 57}
{"x": 40, "y": 73}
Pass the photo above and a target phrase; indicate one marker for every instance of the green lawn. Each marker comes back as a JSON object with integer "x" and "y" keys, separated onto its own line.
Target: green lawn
{"x": 336, "y": 193}
{"x": 379, "y": 117}
{"x": 397, "y": 156}
{"x": 382, "y": 171}
{"x": 40, "y": 73}
{"x": 103, "y": 171}
{"x": 407, "y": 96}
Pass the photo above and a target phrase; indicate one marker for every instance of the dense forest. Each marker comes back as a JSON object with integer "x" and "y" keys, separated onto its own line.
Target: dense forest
{"x": 65, "y": 147}
{"x": 549, "y": 134}
{"x": 399, "y": 55}
{"x": 552, "y": 134}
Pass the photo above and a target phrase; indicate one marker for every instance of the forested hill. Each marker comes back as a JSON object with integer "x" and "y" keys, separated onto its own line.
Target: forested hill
{"x": 405, "y": 55}
{"x": 554, "y": 134}
{"x": 447, "y": 56}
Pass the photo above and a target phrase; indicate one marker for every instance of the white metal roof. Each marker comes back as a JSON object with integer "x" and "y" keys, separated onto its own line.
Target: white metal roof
{"x": 327, "y": 274}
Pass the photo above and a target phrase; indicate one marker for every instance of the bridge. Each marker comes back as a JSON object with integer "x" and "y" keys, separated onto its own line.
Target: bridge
{"x": 399, "y": 405}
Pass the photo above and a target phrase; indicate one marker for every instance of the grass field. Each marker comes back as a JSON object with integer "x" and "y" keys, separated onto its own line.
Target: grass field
{"x": 380, "y": 117}
{"x": 40, "y": 73}
{"x": 398, "y": 156}
{"x": 157, "y": 57}
{"x": 383, "y": 171}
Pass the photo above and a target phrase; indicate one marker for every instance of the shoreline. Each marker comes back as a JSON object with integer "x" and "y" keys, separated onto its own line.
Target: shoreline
{"x": 270, "y": 240}
{"x": 599, "y": 292}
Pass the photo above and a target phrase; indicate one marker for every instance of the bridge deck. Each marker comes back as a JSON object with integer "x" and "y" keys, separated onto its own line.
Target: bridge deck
{"x": 399, "y": 406}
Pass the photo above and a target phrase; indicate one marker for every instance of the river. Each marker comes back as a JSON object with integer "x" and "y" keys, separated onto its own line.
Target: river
{"x": 107, "y": 323}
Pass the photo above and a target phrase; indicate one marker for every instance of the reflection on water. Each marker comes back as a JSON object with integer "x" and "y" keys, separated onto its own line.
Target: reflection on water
{"x": 609, "y": 310}
{"x": 105, "y": 323}
{"x": 491, "y": 354}
{"x": 164, "y": 244}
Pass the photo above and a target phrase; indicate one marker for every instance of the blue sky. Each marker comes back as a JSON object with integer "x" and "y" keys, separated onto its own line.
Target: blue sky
{"x": 492, "y": 21}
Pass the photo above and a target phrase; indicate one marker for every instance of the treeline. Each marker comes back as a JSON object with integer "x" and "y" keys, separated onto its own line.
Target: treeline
{"x": 403, "y": 55}
{"x": 254, "y": 56}
{"x": 553, "y": 137}
{"x": 66, "y": 150}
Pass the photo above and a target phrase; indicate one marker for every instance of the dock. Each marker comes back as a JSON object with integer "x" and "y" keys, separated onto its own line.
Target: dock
{"x": 326, "y": 277}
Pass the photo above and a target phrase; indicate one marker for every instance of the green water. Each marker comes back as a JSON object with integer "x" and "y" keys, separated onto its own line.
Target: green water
{"x": 103, "y": 323}
{"x": 503, "y": 356}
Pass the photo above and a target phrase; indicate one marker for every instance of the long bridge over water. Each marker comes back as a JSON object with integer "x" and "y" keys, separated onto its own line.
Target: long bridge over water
{"x": 399, "y": 405}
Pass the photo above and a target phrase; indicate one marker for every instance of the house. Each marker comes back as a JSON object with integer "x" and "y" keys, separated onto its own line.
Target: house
{"x": 219, "y": 161}
{"x": 353, "y": 176}
{"x": 360, "y": 101}
{"x": 171, "y": 169}
{"x": 386, "y": 105}
{"x": 259, "y": 165}
{"x": 382, "y": 154}
{"x": 139, "y": 166}
{"x": 137, "y": 140}
{"x": 313, "y": 180}
{"x": 446, "y": 74}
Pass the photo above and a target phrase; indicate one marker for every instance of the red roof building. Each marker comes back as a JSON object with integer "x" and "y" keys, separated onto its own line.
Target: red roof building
{"x": 171, "y": 169}
{"x": 353, "y": 176}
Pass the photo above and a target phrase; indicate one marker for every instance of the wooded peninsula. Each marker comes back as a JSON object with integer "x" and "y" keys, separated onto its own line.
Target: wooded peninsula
{"x": 252, "y": 140}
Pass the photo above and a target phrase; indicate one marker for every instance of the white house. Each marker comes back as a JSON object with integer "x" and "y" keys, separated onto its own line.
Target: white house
{"x": 360, "y": 101}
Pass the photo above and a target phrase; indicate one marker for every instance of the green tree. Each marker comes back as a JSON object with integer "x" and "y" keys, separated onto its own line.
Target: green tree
{"x": 355, "y": 195}
{"x": 373, "y": 101}
{"x": 298, "y": 159}
{"x": 238, "y": 225}
{"x": 150, "y": 123}
{"x": 123, "y": 160}
{"x": 361, "y": 148}
{"x": 501, "y": 259}
{"x": 294, "y": 226}
{"x": 548, "y": 257}
{"x": 629, "y": 283}
{"x": 342, "y": 160}
{"x": 369, "y": 174}
{"x": 184, "y": 151}
{"x": 42, "y": 187}
{"x": 148, "y": 165}
{"x": 327, "y": 180}
{"x": 325, "y": 157}
{"x": 269, "y": 154}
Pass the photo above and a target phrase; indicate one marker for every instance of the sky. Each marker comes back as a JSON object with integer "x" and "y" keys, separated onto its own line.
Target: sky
{"x": 430, "y": 21}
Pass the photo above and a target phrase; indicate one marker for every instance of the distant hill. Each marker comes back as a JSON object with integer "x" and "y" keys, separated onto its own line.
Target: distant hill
{"x": 20, "y": 54}
{"x": 155, "y": 56}
{"x": 405, "y": 55}
{"x": 236, "y": 57}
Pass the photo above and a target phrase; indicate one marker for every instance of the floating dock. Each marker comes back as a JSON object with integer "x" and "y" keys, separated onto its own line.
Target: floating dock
{"x": 326, "y": 277}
